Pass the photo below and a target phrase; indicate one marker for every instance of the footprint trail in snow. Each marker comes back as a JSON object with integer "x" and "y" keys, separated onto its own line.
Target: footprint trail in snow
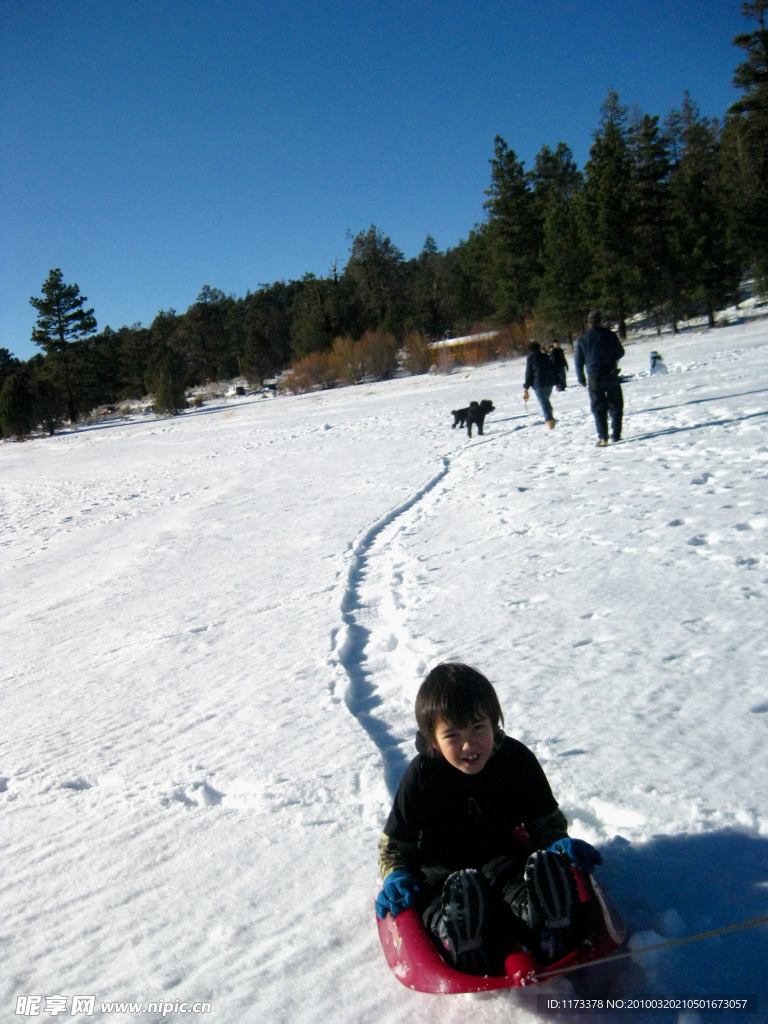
{"x": 378, "y": 658}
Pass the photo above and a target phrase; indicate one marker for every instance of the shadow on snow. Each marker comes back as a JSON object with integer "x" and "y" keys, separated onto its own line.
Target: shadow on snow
{"x": 681, "y": 885}
{"x": 671, "y": 431}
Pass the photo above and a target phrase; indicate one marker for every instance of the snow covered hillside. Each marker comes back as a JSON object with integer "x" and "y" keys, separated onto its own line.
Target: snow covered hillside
{"x": 214, "y": 627}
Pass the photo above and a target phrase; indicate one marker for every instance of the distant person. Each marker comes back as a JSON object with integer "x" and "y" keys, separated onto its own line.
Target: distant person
{"x": 540, "y": 375}
{"x": 560, "y": 364}
{"x": 599, "y": 351}
{"x": 657, "y": 364}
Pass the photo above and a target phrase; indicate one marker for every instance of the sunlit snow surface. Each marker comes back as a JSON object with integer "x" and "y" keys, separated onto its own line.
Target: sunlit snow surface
{"x": 214, "y": 627}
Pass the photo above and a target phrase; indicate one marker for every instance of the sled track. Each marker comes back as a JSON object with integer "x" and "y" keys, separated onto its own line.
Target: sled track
{"x": 350, "y": 642}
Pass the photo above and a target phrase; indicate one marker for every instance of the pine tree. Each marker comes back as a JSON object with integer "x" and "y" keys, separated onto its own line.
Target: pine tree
{"x": 375, "y": 271}
{"x": 17, "y": 405}
{"x": 709, "y": 268}
{"x": 50, "y": 402}
{"x": 562, "y": 297}
{"x": 8, "y": 364}
{"x": 511, "y": 237}
{"x": 203, "y": 335}
{"x": 609, "y": 215}
{"x": 163, "y": 329}
{"x": 752, "y": 74}
{"x": 745, "y": 146}
{"x": 267, "y": 331}
{"x": 61, "y": 317}
{"x": 658, "y": 286}
{"x": 555, "y": 176}
{"x": 321, "y": 308}
{"x": 431, "y": 303}
{"x": 471, "y": 282}
{"x": 62, "y": 330}
{"x": 135, "y": 351}
{"x": 170, "y": 383}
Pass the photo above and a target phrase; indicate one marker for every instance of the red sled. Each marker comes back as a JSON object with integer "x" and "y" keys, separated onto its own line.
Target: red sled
{"x": 416, "y": 961}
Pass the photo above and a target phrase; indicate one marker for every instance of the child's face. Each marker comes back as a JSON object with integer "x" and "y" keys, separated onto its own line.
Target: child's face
{"x": 466, "y": 749}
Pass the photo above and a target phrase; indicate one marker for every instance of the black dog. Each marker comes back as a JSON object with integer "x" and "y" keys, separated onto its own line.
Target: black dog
{"x": 474, "y": 413}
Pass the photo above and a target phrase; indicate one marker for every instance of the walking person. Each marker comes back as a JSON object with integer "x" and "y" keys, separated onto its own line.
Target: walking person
{"x": 599, "y": 351}
{"x": 540, "y": 375}
{"x": 560, "y": 363}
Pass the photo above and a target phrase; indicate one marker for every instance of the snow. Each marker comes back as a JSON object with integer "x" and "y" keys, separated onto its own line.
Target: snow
{"x": 214, "y": 627}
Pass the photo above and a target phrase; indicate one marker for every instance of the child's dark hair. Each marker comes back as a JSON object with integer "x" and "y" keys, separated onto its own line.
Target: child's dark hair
{"x": 457, "y": 694}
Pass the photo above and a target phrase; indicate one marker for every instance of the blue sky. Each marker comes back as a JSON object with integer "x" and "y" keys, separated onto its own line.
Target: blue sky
{"x": 150, "y": 147}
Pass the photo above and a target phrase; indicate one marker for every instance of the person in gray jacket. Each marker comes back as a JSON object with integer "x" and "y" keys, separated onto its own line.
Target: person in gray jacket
{"x": 598, "y": 352}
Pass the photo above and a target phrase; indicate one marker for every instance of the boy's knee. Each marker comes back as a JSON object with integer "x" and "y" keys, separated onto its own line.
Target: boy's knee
{"x": 504, "y": 870}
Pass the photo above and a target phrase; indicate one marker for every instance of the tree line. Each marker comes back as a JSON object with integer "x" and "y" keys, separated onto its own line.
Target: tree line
{"x": 665, "y": 220}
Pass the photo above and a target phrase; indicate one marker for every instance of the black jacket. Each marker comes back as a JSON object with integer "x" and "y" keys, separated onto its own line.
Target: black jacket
{"x": 539, "y": 371}
{"x": 599, "y": 350}
{"x": 443, "y": 817}
{"x": 559, "y": 360}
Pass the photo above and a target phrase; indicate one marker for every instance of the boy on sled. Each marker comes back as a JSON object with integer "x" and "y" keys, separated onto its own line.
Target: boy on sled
{"x": 475, "y": 840}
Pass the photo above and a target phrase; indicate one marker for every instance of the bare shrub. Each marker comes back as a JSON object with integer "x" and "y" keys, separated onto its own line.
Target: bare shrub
{"x": 345, "y": 360}
{"x": 512, "y": 340}
{"x": 377, "y": 353}
{"x": 313, "y": 371}
{"x": 445, "y": 361}
{"x": 418, "y": 354}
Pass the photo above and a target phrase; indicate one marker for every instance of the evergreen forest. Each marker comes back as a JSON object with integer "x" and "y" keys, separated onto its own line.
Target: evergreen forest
{"x": 666, "y": 220}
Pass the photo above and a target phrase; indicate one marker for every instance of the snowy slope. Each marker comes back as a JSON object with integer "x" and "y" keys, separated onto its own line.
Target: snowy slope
{"x": 214, "y": 627}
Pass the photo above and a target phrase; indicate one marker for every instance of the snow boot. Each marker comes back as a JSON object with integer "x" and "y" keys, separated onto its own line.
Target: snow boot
{"x": 459, "y": 923}
{"x": 552, "y": 894}
{"x": 602, "y": 442}
{"x": 550, "y": 424}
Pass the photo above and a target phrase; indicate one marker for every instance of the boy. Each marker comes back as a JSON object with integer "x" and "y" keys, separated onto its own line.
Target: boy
{"x": 469, "y": 809}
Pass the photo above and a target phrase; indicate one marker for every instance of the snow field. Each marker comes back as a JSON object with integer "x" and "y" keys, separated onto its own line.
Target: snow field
{"x": 215, "y": 627}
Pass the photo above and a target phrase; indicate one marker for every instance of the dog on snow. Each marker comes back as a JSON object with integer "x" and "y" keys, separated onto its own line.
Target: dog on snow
{"x": 474, "y": 413}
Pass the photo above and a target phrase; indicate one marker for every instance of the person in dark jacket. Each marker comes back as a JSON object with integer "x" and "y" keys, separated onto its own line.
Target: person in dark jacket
{"x": 540, "y": 375}
{"x": 598, "y": 352}
{"x": 475, "y": 834}
{"x": 560, "y": 364}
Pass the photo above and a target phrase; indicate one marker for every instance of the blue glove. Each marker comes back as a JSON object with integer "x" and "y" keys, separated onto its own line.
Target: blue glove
{"x": 578, "y": 853}
{"x": 399, "y": 892}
